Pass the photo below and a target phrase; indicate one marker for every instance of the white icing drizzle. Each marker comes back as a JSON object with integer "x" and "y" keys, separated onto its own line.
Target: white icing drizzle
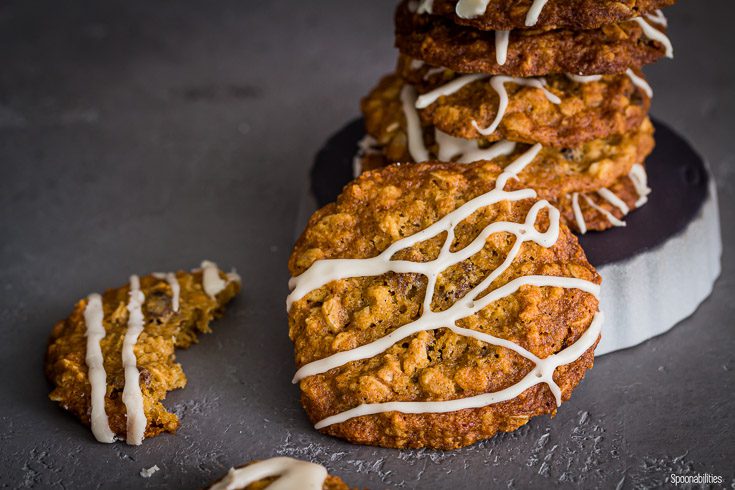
{"x": 325, "y": 271}
{"x": 469, "y": 9}
{"x": 95, "y": 332}
{"x": 366, "y": 146}
{"x": 416, "y": 64}
{"x": 498, "y": 83}
{"x": 610, "y": 217}
{"x": 578, "y": 216}
{"x": 639, "y": 178}
{"x": 542, "y": 373}
{"x": 501, "y": 46}
{"x": 583, "y": 78}
{"x": 468, "y": 151}
{"x": 290, "y": 473}
{"x": 534, "y": 12}
{"x": 175, "y": 290}
{"x": 416, "y": 146}
{"x": 639, "y": 82}
{"x": 613, "y": 199}
{"x": 433, "y": 71}
{"x": 424, "y": 101}
{"x": 212, "y": 283}
{"x": 656, "y": 35}
{"x": 173, "y": 283}
{"x": 658, "y": 17}
{"x": 425, "y": 7}
{"x": 132, "y": 396}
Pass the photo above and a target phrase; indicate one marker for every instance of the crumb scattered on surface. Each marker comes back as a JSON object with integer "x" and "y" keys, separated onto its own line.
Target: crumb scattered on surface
{"x": 148, "y": 472}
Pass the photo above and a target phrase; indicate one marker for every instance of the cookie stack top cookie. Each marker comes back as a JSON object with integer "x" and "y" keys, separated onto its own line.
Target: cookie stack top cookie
{"x": 562, "y": 74}
{"x": 523, "y": 38}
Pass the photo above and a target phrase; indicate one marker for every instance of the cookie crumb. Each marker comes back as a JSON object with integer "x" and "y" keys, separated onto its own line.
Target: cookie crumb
{"x": 148, "y": 472}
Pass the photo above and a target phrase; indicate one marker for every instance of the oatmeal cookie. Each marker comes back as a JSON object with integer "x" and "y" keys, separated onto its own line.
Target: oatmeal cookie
{"x": 460, "y": 364}
{"x": 610, "y": 49}
{"x": 124, "y": 339}
{"x": 553, "y": 173}
{"x": 557, "y": 112}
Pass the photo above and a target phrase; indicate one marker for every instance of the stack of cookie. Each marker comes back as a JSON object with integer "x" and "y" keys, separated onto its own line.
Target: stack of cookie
{"x": 487, "y": 79}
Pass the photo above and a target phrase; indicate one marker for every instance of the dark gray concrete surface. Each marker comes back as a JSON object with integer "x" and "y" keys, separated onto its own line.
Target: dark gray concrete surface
{"x": 147, "y": 135}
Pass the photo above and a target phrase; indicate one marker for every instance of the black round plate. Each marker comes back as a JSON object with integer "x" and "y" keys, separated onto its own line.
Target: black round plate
{"x": 676, "y": 173}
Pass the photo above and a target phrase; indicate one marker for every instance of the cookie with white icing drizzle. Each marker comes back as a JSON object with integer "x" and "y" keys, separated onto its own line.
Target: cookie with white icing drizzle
{"x": 398, "y": 135}
{"x": 608, "y": 206}
{"x": 112, "y": 360}
{"x": 279, "y": 473}
{"x": 554, "y": 110}
{"x": 506, "y": 331}
{"x": 490, "y": 15}
{"x": 609, "y": 49}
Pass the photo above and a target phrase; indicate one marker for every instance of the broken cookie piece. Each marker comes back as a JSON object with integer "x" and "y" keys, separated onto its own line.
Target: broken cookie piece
{"x": 280, "y": 472}
{"x": 112, "y": 360}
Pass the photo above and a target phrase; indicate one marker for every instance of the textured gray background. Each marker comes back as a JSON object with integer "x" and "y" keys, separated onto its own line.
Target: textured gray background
{"x": 147, "y": 135}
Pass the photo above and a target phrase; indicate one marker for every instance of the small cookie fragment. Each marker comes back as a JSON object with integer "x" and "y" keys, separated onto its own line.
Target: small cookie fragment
{"x": 112, "y": 361}
{"x": 288, "y": 472}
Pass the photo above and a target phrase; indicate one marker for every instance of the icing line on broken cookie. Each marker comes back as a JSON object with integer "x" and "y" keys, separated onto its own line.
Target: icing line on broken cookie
{"x": 533, "y": 13}
{"x": 414, "y": 133}
{"x": 543, "y": 372}
{"x": 132, "y": 396}
{"x": 502, "y": 39}
{"x": 469, "y": 9}
{"x": 461, "y": 150}
{"x": 455, "y": 85}
{"x": 95, "y": 332}
{"x": 173, "y": 283}
{"x": 610, "y": 217}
